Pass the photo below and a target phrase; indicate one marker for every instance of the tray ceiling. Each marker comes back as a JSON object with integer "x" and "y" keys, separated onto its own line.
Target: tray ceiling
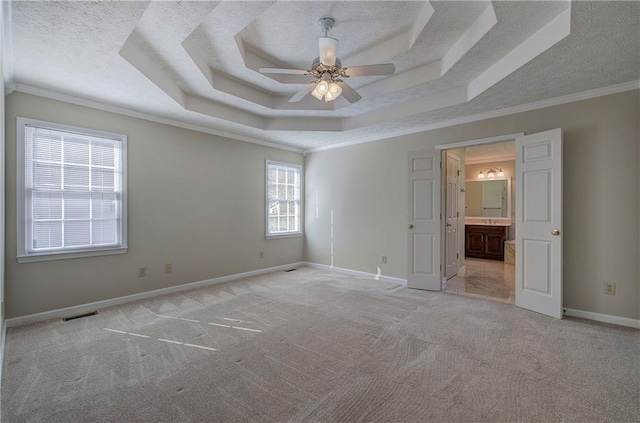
{"x": 197, "y": 62}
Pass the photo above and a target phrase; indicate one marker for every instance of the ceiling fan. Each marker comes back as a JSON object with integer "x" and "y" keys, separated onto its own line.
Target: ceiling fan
{"x": 328, "y": 71}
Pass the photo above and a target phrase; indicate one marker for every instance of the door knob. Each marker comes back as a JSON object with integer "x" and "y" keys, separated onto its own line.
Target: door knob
{"x": 555, "y": 232}
{"x": 410, "y": 225}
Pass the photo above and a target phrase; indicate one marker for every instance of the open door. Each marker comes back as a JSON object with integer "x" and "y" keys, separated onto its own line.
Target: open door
{"x": 539, "y": 222}
{"x": 452, "y": 194}
{"x": 424, "y": 220}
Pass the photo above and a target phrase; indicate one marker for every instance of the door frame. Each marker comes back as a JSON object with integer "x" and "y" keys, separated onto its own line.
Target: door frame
{"x": 442, "y": 148}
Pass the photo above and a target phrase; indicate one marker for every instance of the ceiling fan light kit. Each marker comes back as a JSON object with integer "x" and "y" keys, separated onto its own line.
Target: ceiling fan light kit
{"x": 327, "y": 70}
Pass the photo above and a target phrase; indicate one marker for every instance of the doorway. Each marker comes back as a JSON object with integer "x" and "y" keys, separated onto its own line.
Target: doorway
{"x": 479, "y": 204}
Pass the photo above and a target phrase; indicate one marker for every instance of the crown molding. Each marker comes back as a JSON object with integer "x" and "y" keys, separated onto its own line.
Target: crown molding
{"x": 41, "y": 92}
{"x": 557, "y": 101}
{"x": 585, "y": 95}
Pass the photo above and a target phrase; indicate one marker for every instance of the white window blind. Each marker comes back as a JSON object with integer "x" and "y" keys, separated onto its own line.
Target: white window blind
{"x": 283, "y": 198}
{"x": 72, "y": 188}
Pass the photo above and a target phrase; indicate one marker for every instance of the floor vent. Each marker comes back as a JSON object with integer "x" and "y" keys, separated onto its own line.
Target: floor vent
{"x": 291, "y": 270}
{"x": 80, "y": 316}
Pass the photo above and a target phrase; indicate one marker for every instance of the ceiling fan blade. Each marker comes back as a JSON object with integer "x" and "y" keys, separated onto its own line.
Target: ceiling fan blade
{"x": 302, "y": 93}
{"x": 283, "y": 71}
{"x": 370, "y": 70}
{"x": 328, "y": 50}
{"x": 349, "y": 93}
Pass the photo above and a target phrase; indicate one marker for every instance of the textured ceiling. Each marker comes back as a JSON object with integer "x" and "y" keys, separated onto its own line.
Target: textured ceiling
{"x": 196, "y": 62}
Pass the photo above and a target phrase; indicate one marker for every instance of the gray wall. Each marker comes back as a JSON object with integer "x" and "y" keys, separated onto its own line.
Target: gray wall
{"x": 194, "y": 200}
{"x": 366, "y": 188}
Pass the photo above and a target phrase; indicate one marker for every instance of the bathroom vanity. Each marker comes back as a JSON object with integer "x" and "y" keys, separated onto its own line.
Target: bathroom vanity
{"x": 485, "y": 241}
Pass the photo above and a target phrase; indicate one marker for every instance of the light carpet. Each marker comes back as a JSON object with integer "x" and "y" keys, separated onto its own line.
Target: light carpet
{"x": 318, "y": 346}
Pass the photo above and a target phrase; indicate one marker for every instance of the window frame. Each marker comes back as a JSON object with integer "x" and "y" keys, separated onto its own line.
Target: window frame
{"x": 288, "y": 234}
{"x": 23, "y": 256}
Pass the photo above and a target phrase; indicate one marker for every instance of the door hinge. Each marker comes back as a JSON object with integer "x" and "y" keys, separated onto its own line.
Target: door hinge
{"x": 457, "y": 214}
{"x": 441, "y": 267}
{"x": 458, "y": 173}
{"x": 440, "y": 216}
{"x": 457, "y": 255}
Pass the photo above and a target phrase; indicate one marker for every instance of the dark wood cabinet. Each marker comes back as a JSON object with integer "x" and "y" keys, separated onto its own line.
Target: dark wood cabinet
{"x": 485, "y": 242}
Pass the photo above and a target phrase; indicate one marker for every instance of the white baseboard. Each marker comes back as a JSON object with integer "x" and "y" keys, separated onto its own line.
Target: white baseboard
{"x": 85, "y": 308}
{"x": 357, "y": 273}
{"x": 605, "y": 318}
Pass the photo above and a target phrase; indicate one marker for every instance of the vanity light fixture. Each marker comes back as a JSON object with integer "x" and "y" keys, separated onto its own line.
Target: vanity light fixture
{"x": 491, "y": 172}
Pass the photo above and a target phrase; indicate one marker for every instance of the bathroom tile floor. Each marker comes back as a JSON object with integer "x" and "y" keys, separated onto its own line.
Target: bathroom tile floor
{"x": 488, "y": 279}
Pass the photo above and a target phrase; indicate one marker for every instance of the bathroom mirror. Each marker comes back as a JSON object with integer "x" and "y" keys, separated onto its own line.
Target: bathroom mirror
{"x": 488, "y": 198}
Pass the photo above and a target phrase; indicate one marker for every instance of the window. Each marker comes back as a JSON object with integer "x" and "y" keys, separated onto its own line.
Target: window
{"x": 283, "y": 199}
{"x": 71, "y": 192}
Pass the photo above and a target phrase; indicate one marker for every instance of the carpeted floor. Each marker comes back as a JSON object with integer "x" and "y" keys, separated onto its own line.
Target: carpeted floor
{"x": 316, "y": 346}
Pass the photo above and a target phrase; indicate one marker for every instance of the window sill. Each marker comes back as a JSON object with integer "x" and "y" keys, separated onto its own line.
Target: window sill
{"x": 285, "y": 235}
{"x": 70, "y": 255}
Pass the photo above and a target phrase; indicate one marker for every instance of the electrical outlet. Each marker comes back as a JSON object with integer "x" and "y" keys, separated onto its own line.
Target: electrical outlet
{"x": 610, "y": 288}
{"x": 384, "y": 260}
{"x": 261, "y": 254}
{"x": 142, "y": 272}
{"x": 168, "y": 268}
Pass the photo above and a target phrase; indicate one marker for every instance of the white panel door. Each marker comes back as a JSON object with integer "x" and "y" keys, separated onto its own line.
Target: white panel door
{"x": 539, "y": 222}
{"x": 424, "y": 220}
{"x": 451, "y": 215}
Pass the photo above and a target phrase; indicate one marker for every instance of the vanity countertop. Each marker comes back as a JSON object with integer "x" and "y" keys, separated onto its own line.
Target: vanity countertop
{"x": 487, "y": 222}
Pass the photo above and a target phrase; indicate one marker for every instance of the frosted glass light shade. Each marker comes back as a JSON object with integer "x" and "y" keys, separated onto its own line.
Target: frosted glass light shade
{"x": 316, "y": 94}
{"x": 328, "y": 50}
{"x": 320, "y": 90}
{"x": 334, "y": 92}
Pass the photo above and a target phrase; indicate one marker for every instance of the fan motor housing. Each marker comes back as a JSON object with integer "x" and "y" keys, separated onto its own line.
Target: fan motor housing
{"x": 316, "y": 63}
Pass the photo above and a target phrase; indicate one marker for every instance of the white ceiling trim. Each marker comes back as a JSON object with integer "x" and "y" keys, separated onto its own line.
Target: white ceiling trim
{"x": 378, "y": 53}
{"x": 40, "y": 92}
{"x": 374, "y": 54}
{"x": 397, "y": 45}
{"x": 244, "y": 90}
{"x": 541, "y": 40}
{"x": 585, "y": 95}
{"x": 439, "y": 68}
{"x": 139, "y": 59}
{"x": 77, "y": 54}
